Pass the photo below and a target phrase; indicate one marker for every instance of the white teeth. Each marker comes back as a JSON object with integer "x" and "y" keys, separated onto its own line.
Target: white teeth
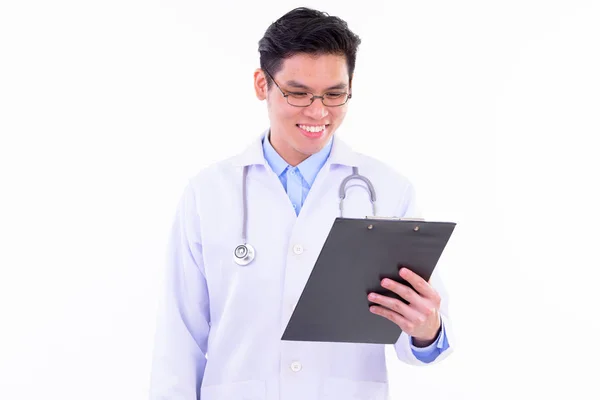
{"x": 313, "y": 129}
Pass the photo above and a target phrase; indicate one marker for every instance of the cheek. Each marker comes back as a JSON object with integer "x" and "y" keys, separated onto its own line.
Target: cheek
{"x": 340, "y": 114}
{"x": 282, "y": 111}
{"x": 291, "y": 113}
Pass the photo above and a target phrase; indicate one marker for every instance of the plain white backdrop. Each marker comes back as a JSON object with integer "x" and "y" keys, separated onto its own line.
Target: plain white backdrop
{"x": 491, "y": 108}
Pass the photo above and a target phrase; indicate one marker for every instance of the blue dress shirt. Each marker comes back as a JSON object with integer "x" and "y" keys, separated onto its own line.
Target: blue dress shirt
{"x": 297, "y": 182}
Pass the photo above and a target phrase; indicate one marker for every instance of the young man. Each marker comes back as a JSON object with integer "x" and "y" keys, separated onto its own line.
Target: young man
{"x": 219, "y": 335}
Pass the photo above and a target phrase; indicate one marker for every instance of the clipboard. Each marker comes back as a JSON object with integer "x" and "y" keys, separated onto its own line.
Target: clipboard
{"x": 356, "y": 256}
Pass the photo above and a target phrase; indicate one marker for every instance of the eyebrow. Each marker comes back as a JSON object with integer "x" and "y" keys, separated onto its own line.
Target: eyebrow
{"x": 299, "y": 85}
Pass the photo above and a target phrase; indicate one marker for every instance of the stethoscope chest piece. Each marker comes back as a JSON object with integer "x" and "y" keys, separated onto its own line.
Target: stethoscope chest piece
{"x": 243, "y": 254}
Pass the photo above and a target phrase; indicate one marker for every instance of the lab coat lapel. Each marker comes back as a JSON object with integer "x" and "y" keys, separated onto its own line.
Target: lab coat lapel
{"x": 252, "y": 155}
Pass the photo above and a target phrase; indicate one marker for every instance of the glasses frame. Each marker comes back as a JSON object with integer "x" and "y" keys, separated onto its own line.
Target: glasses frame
{"x": 312, "y": 100}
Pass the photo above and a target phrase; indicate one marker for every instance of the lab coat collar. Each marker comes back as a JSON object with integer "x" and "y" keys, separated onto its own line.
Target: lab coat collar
{"x": 341, "y": 153}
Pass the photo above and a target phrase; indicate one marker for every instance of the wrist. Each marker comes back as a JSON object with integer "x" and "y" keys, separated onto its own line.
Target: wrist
{"x": 427, "y": 341}
{"x": 420, "y": 342}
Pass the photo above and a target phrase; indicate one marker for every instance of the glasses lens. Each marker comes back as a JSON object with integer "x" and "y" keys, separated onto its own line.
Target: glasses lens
{"x": 335, "y": 99}
{"x": 304, "y": 99}
{"x": 299, "y": 99}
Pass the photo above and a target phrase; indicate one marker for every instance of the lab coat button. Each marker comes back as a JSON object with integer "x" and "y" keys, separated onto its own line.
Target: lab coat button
{"x": 296, "y": 366}
{"x": 298, "y": 249}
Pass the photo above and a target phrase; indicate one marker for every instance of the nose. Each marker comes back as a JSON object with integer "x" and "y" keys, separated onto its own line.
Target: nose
{"x": 316, "y": 110}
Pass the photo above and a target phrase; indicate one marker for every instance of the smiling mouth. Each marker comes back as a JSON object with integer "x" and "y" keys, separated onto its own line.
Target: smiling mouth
{"x": 313, "y": 129}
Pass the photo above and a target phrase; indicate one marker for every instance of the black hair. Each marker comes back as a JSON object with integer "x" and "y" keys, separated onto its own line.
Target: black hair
{"x": 308, "y": 31}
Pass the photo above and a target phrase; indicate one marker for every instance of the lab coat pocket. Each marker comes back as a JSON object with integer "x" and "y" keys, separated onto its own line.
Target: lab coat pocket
{"x": 246, "y": 390}
{"x": 337, "y": 388}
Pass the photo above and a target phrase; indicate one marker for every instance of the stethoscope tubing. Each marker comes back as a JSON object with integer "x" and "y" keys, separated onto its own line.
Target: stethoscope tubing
{"x": 244, "y": 253}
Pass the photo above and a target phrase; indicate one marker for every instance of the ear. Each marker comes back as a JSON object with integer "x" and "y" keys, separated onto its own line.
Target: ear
{"x": 260, "y": 84}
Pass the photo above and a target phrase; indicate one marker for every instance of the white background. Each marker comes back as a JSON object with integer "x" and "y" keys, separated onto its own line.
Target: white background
{"x": 491, "y": 108}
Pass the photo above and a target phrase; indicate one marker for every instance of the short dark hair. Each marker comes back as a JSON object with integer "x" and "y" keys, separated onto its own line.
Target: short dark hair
{"x": 308, "y": 31}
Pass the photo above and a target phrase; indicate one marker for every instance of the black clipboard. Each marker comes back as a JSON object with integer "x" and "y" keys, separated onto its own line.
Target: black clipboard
{"x": 356, "y": 256}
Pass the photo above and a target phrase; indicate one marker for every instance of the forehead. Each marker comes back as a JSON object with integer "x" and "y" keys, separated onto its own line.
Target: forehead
{"x": 315, "y": 70}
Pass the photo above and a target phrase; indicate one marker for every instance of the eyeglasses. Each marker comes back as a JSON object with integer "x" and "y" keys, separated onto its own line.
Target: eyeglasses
{"x": 305, "y": 99}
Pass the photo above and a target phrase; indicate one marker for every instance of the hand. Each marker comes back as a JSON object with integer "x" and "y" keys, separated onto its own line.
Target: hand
{"x": 420, "y": 318}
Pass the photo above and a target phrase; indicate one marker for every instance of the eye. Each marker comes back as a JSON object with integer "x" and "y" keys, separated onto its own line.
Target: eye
{"x": 298, "y": 95}
{"x": 334, "y": 95}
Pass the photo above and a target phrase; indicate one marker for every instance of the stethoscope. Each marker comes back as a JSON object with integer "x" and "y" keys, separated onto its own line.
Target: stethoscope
{"x": 244, "y": 253}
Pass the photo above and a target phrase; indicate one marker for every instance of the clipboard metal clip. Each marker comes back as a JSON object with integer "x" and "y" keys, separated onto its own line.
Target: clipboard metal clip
{"x": 395, "y": 218}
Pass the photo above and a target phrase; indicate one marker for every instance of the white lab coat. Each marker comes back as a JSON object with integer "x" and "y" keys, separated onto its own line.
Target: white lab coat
{"x": 220, "y": 325}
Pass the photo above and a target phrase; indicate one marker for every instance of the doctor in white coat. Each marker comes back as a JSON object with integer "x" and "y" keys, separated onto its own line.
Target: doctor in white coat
{"x": 222, "y": 317}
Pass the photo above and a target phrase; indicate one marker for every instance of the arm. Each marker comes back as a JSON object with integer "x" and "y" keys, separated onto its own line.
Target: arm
{"x": 406, "y": 350}
{"x": 441, "y": 347}
{"x": 183, "y": 320}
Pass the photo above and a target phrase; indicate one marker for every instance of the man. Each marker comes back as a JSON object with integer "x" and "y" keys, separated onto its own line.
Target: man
{"x": 219, "y": 335}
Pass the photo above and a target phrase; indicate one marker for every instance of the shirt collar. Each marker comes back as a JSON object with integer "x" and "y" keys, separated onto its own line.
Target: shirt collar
{"x": 278, "y": 164}
{"x": 309, "y": 168}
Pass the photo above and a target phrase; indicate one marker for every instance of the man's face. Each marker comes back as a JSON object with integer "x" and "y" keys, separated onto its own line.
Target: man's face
{"x": 297, "y": 132}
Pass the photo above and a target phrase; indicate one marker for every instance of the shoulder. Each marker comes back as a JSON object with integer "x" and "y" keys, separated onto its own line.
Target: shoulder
{"x": 213, "y": 176}
{"x": 384, "y": 170}
{"x": 227, "y": 170}
{"x": 385, "y": 174}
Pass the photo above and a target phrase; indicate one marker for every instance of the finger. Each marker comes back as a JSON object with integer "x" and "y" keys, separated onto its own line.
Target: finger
{"x": 415, "y": 300}
{"x": 410, "y": 313}
{"x": 420, "y": 285}
{"x": 396, "y": 318}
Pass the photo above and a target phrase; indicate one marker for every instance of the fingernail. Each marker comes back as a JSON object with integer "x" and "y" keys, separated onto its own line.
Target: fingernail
{"x": 372, "y": 296}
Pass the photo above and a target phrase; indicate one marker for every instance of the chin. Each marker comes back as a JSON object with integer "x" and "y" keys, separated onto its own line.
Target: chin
{"x": 310, "y": 147}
